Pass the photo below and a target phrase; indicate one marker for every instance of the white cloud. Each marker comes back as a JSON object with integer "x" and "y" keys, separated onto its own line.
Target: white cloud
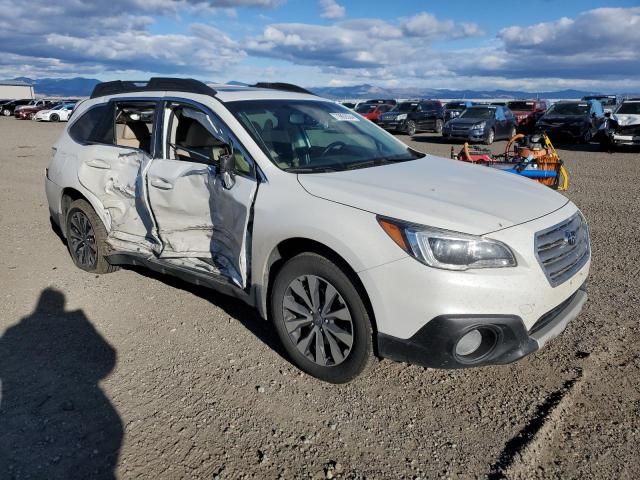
{"x": 332, "y": 9}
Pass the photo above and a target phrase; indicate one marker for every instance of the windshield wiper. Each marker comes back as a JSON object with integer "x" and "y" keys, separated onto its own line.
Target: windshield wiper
{"x": 310, "y": 169}
{"x": 377, "y": 162}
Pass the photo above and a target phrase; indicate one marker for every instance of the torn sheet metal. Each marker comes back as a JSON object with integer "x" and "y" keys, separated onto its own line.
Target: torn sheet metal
{"x": 114, "y": 176}
{"x": 198, "y": 218}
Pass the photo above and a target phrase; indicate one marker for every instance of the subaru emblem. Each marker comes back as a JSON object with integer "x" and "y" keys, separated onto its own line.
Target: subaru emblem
{"x": 570, "y": 237}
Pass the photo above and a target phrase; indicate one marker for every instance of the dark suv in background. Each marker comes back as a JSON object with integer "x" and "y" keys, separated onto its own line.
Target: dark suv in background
{"x": 575, "y": 120}
{"x": 527, "y": 113}
{"x": 482, "y": 123}
{"x": 8, "y": 108}
{"x": 414, "y": 116}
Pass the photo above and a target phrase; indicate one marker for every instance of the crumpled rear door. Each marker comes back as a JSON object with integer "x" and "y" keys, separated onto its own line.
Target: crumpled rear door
{"x": 116, "y": 177}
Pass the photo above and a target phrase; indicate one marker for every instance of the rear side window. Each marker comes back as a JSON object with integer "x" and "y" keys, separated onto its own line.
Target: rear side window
{"x": 90, "y": 127}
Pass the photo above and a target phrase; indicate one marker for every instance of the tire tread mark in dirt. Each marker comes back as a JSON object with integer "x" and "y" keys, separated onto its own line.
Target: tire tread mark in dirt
{"x": 517, "y": 444}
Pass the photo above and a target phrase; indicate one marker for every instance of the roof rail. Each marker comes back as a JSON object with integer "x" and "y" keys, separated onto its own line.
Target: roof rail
{"x": 153, "y": 84}
{"x": 286, "y": 87}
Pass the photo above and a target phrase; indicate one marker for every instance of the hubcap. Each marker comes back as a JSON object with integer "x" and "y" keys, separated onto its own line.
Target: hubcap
{"x": 318, "y": 320}
{"x": 82, "y": 239}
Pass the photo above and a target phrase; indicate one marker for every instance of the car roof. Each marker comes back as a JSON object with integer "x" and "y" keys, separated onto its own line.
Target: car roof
{"x": 159, "y": 86}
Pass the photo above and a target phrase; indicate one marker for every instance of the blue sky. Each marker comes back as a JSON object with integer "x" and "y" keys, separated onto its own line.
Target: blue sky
{"x": 533, "y": 45}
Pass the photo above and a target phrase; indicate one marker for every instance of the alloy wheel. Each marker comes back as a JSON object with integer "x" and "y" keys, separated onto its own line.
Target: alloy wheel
{"x": 318, "y": 320}
{"x": 82, "y": 240}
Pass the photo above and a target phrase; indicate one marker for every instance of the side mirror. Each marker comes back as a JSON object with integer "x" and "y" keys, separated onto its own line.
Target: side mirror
{"x": 227, "y": 171}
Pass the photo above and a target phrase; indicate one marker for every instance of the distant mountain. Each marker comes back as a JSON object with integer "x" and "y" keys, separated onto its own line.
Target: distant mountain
{"x": 82, "y": 87}
{"x": 370, "y": 91}
{"x": 61, "y": 87}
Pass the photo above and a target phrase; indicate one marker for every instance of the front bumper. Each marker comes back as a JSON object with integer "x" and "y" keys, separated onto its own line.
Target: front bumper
{"x": 393, "y": 125}
{"x": 505, "y": 338}
{"x": 619, "y": 139}
{"x": 407, "y": 296}
{"x": 466, "y": 135}
{"x": 563, "y": 131}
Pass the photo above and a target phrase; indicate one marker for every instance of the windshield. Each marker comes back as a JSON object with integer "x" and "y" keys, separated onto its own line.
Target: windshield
{"x": 405, "y": 107}
{"x": 520, "y": 106}
{"x": 602, "y": 99}
{"x": 569, "y": 109}
{"x": 478, "y": 112}
{"x": 365, "y": 108}
{"x": 305, "y": 136}
{"x": 630, "y": 108}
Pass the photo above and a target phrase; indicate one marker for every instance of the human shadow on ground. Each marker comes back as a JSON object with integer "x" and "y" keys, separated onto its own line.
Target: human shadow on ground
{"x": 55, "y": 421}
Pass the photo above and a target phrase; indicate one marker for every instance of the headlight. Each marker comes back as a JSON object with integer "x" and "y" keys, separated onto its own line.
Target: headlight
{"x": 448, "y": 250}
{"x": 479, "y": 126}
{"x": 402, "y": 116}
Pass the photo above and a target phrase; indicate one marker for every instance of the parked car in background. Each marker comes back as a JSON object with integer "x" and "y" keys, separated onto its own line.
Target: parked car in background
{"x": 609, "y": 102}
{"x": 350, "y": 105}
{"x": 577, "y": 120}
{"x": 482, "y": 123}
{"x": 622, "y": 127}
{"x": 499, "y": 103}
{"x": 36, "y": 103}
{"x": 58, "y": 113}
{"x": 455, "y": 108}
{"x": 527, "y": 113}
{"x": 414, "y": 116}
{"x": 27, "y": 112}
{"x": 9, "y": 108}
{"x": 350, "y": 242}
{"x": 372, "y": 111}
{"x": 381, "y": 101}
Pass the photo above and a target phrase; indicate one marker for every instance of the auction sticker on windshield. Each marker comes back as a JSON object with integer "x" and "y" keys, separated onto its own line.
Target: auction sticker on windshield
{"x": 345, "y": 117}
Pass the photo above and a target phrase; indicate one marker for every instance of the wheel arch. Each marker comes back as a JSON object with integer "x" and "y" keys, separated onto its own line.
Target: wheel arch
{"x": 291, "y": 247}
{"x": 69, "y": 194}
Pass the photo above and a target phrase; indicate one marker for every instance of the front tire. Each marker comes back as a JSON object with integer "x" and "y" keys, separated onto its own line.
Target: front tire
{"x": 490, "y": 137}
{"x": 321, "y": 319}
{"x": 6, "y": 112}
{"x": 439, "y": 126}
{"x": 54, "y": 117}
{"x": 411, "y": 128}
{"x": 86, "y": 238}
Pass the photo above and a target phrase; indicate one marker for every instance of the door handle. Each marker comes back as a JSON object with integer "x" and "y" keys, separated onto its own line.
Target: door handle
{"x": 161, "y": 184}
{"x": 97, "y": 163}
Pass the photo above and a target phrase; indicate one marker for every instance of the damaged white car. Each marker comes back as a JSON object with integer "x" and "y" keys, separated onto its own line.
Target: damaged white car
{"x": 350, "y": 242}
{"x": 623, "y": 126}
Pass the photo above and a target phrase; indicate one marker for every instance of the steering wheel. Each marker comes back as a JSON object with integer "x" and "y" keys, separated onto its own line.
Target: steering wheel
{"x": 333, "y": 146}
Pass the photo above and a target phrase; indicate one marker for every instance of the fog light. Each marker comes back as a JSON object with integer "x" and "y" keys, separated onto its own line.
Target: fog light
{"x": 469, "y": 343}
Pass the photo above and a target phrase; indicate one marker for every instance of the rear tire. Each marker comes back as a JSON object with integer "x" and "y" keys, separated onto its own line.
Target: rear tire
{"x": 439, "y": 126}
{"x": 512, "y": 132}
{"x": 490, "y": 137}
{"x": 6, "y": 112}
{"x": 586, "y": 138}
{"x": 86, "y": 238}
{"x": 321, "y": 319}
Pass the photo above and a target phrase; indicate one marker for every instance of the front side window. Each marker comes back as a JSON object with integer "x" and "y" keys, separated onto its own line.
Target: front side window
{"x": 193, "y": 136}
{"x": 310, "y": 136}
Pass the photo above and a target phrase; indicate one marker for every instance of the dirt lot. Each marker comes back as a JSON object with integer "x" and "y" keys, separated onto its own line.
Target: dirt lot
{"x": 134, "y": 375}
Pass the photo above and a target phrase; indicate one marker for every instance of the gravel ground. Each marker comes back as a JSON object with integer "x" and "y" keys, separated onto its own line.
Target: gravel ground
{"x": 134, "y": 375}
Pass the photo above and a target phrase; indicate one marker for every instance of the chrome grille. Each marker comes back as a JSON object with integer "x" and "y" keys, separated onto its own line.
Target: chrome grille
{"x": 563, "y": 249}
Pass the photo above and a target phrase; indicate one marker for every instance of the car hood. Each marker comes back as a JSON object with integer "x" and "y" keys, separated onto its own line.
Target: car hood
{"x": 438, "y": 192}
{"x": 564, "y": 118}
{"x": 467, "y": 121}
{"x": 626, "y": 119}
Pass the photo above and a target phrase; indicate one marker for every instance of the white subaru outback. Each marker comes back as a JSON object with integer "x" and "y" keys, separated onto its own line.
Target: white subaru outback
{"x": 350, "y": 242}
